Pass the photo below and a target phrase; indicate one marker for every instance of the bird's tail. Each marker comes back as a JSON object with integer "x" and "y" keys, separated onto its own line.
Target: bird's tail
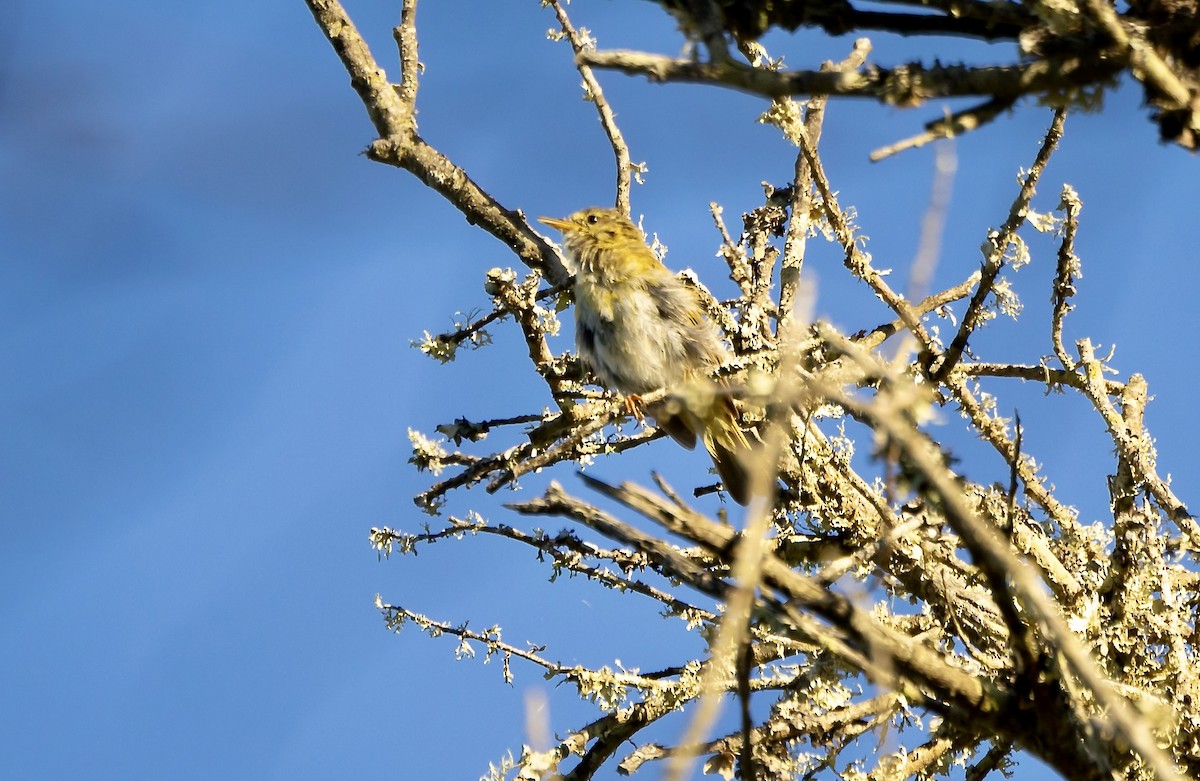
{"x": 711, "y": 417}
{"x": 726, "y": 443}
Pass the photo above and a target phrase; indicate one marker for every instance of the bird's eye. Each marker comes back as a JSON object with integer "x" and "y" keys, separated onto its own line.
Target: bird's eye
{"x": 592, "y": 219}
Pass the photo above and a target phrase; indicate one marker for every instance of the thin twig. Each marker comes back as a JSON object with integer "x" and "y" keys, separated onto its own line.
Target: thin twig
{"x": 1067, "y": 269}
{"x": 567, "y": 551}
{"x": 956, "y": 124}
{"x": 800, "y": 208}
{"x": 1052, "y": 378}
{"x": 857, "y": 261}
{"x": 999, "y": 243}
{"x": 991, "y": 761}
{"x": 596, "y": 95}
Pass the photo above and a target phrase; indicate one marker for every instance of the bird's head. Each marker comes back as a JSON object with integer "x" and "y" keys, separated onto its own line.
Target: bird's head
{"x": 598, "y": 239}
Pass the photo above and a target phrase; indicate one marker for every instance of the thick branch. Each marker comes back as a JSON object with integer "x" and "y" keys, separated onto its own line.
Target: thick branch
{"x": 905, "y": 85}
{"x": 399, "y": 145}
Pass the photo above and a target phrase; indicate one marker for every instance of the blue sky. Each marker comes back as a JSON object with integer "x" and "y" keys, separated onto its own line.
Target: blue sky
{"x": 206, "y": 301}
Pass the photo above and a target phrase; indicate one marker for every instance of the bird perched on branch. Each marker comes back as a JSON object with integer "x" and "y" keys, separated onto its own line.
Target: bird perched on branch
{"x": 641, "y": 329}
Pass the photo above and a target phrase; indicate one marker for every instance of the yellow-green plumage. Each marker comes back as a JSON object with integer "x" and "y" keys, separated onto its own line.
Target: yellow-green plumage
{"x": 641, "y": 329}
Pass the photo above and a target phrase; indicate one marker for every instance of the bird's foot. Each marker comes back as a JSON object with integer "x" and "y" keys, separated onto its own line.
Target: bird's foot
{"x": 635, "y": 406}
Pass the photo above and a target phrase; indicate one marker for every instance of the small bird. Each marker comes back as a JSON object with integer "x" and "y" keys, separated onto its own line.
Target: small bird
{"x": 641, "y": 329}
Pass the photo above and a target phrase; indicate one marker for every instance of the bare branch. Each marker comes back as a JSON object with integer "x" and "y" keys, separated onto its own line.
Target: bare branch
{"x": 1065, "y": 272}
{"x": 399, "y": 145}
{"x": 956, "y": 124}
{"x": 994, "y": 555}
{"x": 801, "y": 206}
{"x": 596, "y": 95}
{"x": 904, "y": 85}
{"x": 1132, "y": 445}
{"x": 999, "y": 243}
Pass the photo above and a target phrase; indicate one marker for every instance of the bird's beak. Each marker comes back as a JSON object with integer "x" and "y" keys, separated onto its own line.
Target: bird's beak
{"x": 557, "y": 224}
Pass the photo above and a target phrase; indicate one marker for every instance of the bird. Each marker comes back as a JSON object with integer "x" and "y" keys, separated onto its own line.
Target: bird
{"x": 641, "y": 329}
